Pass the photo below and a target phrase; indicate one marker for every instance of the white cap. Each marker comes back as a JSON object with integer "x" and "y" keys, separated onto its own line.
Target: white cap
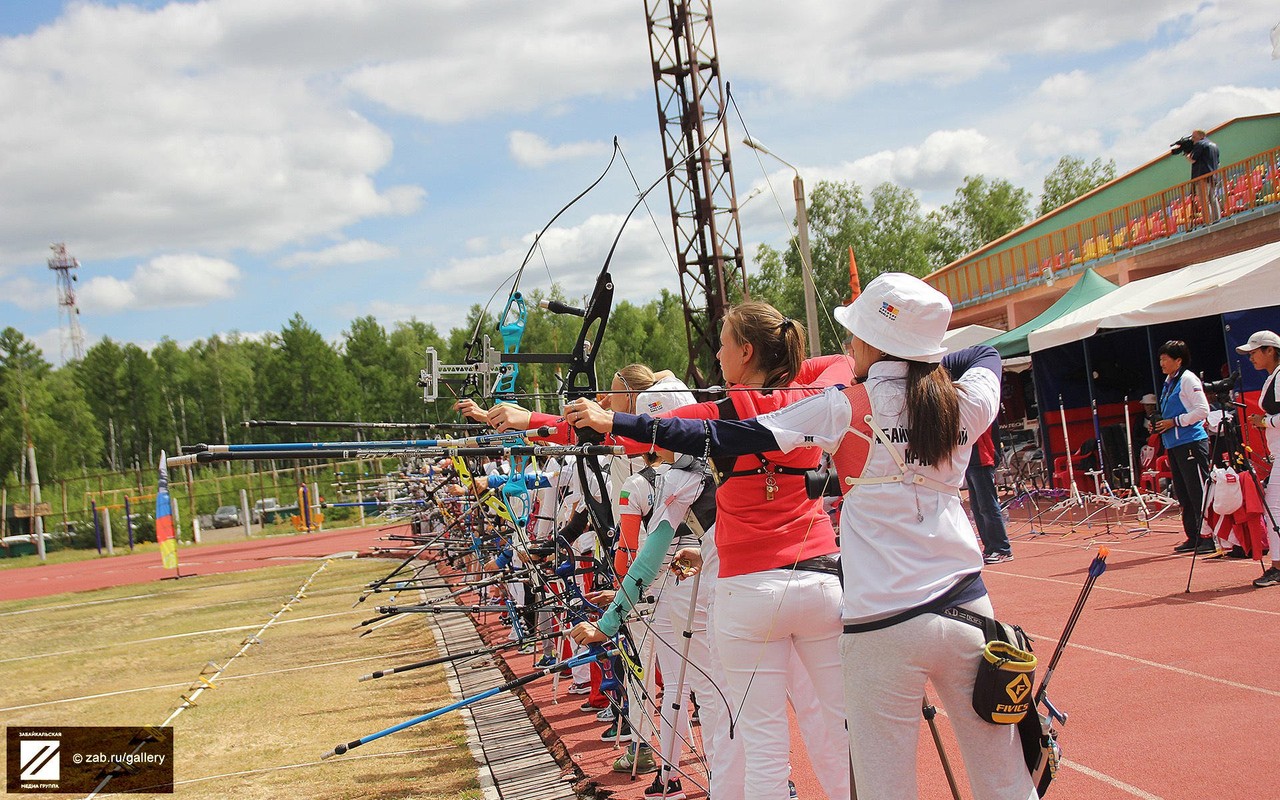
{"x": 1259, "y": 339}
{"x": 1149, "y": 400}
{"x": 900, "y": 315}
{"x": 665, "y": 395}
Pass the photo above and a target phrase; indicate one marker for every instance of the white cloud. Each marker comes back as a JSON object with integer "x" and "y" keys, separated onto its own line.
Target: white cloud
{"x": 30, "y": 295}
{"x": 817, "y": 48}
{"x": 467, "y": 61}
{"x": 531, "y": 150}
{"x": 940, "y": 162}
{"x": 356, "y": 251}
{"x": 157, "y": 130}
{"x": 574, "y": 256}
{"x": 163, "y": 282}
{"x": 50, "y": 344}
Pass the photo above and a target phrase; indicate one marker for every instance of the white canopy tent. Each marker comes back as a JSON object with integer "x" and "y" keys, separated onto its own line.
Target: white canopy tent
{"x": 1231, "y": 283}
{"x": 968, "y": 336}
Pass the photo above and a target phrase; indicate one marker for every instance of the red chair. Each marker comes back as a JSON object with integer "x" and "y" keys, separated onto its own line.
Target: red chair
{"x": 1150, "y": 480}
{"x": 1082, "y": 461}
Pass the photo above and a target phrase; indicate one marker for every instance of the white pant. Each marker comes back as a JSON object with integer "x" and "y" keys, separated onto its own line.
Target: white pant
{"x": 670, "y": 623}
{"x": 759, "y": 618}
{"x": 1272, "y": 498}
{"x": 639, "y": 709}
{"x": 884, "y": 682}
{"x": 726, "y": 755}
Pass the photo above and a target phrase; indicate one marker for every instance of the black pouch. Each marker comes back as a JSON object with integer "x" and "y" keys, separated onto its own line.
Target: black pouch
{"x": 1003, "y": 688}
{"x": 1006, "y": 678}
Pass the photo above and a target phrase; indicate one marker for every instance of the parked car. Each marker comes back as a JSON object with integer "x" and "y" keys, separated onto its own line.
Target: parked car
{"x": 266, "y": 504}
{"x": 226, "y": 517}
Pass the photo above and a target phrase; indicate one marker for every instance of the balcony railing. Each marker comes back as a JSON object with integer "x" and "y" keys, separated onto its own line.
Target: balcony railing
{"x": 1239, "y": 187}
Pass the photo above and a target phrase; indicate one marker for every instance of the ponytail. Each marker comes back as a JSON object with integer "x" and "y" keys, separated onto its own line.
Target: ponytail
{"x": 778, "y": 342}
{"x": 933, "y": 412}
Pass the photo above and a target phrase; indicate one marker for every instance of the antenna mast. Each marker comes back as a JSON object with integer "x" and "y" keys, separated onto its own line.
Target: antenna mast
{"x": 72, "y": 337}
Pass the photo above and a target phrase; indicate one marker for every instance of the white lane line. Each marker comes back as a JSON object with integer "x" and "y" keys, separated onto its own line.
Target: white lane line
{"x": 1168, "y": 667}
{"x": 224, "y": 680}
{"x": 334, "y": 590}
{"x": 1147, "y": 595}
{"x": 173, "y": 636}
{"x": 1110, "y": 781}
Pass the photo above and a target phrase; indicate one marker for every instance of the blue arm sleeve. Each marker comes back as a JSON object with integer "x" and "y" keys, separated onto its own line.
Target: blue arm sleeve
{"x": 981, "y": 355}
{"x": 729, "y": 437}
{"x": 639, "y": 575}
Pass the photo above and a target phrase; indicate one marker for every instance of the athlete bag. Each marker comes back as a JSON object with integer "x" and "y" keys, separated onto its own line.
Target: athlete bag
{"x": 1002, "y": 690}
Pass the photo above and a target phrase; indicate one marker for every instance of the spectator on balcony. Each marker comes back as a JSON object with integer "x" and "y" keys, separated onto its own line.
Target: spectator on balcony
{"x": 1204, "y": 162}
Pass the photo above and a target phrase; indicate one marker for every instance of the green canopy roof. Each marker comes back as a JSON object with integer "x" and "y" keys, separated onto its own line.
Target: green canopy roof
{"x": 1090, "y": 287}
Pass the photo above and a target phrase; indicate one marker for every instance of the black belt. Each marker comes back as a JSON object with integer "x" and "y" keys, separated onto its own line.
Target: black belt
{"x": 827, "y": 565}
{"x": 945, "y": 601}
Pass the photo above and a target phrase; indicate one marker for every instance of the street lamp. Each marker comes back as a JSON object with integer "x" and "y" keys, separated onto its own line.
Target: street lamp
{"x": 802, "y": 240}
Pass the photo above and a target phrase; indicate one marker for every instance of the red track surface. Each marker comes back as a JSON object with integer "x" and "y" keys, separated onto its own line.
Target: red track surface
{"x": 1170, "y": 694}
{"x": 123, "y": 570}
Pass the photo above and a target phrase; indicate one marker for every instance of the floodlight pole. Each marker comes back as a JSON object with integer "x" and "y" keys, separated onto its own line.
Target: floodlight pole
{"x": 802, "y": 244}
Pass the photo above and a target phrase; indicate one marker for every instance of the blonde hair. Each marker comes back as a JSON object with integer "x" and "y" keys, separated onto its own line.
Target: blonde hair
{"x": 778, "y": 342}
{"x": 636, "y": 377}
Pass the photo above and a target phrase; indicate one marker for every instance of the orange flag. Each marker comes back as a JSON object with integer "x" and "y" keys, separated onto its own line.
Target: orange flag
{"x": 855, "y": 286}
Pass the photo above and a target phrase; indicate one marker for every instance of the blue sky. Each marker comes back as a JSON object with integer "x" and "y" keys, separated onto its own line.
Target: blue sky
{"x": 221, "y": 165}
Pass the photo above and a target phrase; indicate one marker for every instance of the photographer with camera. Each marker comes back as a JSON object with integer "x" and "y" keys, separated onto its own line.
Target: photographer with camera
{"x": 1263, "y": 350}
{"x": 1183, "y": 410}
{"x": 1203, "y": 155}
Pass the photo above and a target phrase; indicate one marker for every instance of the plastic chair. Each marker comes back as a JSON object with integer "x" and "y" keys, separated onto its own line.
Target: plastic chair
{"x": 1082, "y": 461}
{"x": 1150, "y": 480}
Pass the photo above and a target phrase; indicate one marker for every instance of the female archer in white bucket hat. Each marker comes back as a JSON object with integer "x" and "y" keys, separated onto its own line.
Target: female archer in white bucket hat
{"x": 901, "y": 441}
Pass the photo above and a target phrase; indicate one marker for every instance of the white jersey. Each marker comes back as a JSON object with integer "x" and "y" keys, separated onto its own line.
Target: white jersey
{"x": 902, "y": 545}
{"x": 1271, "y": 393}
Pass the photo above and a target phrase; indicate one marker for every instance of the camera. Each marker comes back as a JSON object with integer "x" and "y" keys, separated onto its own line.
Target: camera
{"x": 1181, "y": 147}
{"x": 819, "y": 483}
{"x": 1224, "y": 387}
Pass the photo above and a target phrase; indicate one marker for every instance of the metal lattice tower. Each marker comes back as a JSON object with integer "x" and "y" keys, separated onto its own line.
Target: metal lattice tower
{"x": 72, "y": 337}
{"x": 704, "y": 208}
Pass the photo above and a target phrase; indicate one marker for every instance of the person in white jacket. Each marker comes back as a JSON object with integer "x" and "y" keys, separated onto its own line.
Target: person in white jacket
{"x": 1263, "y": 349}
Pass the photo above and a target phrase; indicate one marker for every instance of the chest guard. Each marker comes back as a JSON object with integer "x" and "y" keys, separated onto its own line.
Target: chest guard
{"x": 854, "y": 451}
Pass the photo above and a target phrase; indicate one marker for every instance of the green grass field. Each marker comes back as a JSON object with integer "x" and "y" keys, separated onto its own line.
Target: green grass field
{"x": 125, "y": 656}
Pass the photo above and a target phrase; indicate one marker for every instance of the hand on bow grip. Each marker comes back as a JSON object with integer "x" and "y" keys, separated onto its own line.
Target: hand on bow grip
{"x": 587, "y": 415}
{"x": 587, "y": 633}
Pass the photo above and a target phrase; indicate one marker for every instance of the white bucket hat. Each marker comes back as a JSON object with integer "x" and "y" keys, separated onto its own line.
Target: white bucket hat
{"x": 900, "y": 315}
{"x": 1259, "y": 339}
{"x": 1149, "y": 400}
{"x": 667, "y": 394}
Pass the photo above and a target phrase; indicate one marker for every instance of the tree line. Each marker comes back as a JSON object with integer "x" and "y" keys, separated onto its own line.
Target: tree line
{"x": 120, "y": 405}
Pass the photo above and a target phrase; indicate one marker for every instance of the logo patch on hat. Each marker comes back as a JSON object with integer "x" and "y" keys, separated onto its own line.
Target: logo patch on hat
{"x": 655, "y": 406}
{"x": 888, "y": 310}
